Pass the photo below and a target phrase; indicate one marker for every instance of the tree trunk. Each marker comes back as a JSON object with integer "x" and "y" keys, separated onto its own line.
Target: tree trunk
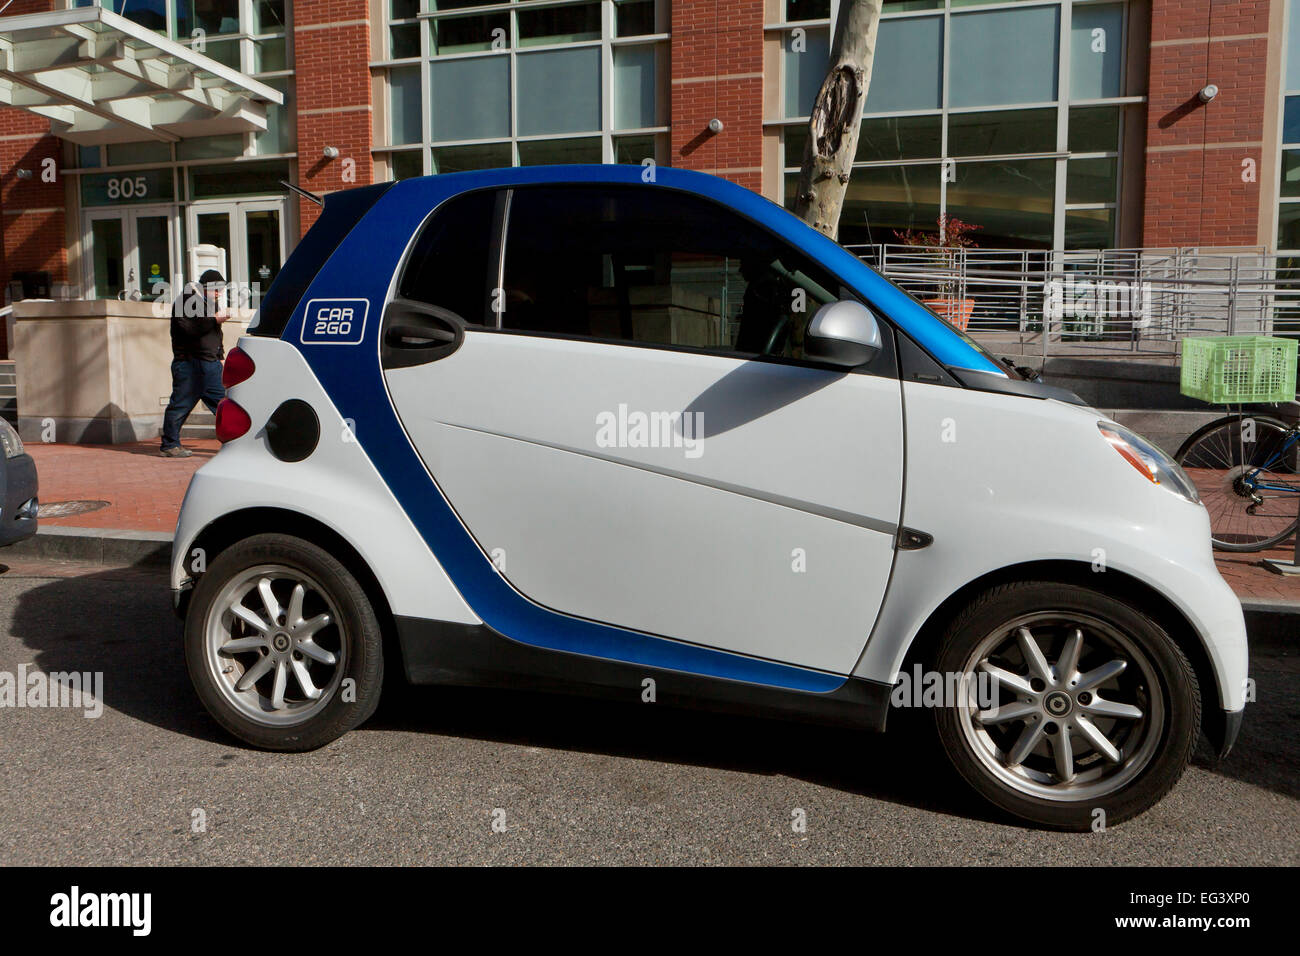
{"x": 837, "y": 117}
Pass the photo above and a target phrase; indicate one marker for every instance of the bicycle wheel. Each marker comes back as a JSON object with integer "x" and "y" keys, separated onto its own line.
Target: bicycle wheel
{"x": 1245, "y": 468}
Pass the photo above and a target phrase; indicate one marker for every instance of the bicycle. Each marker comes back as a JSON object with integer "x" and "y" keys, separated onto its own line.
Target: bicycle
{"x": 1247, "y": 471}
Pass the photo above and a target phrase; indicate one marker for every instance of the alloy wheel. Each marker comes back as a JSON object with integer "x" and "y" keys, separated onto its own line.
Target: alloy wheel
{"x": 274, "y": 646}
{"x": 1077, "y": 710}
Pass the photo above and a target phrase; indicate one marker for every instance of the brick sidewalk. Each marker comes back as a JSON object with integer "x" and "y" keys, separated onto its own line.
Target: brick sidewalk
{"x": 144, "y": 493}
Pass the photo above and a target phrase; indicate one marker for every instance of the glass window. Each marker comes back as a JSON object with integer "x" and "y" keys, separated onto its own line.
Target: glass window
{"x": 268, "y": 16}
{"x": 1089, "y": 228}
{"x": 569, "y": 24}
{"x": 883, "y": 201}
{"x": 633, "y": 18}
{"x": 546, "y": 152}
{"x": 1003, "y": 56}
{"x": 405, "y": 105}
{"x": 1288, "y": 226}
{"x": 270, "y": 55}
{"x": 278, "y": 137}
{"x": 210, "y": 147}
{"x": 1293, "y": 48}
{"x": 404, "y": 41}
{"x": 471, "y": 98}
{"x": 807, "y": 9}
{"x": 655, "y": 267}
{"x": 1002, "y": 133}
{"x": 805, "y": 69}
{"x": 1094, "y": 129}
{"x": 407, "y": 164}
{"x": 634, "y": 87}
{"x": 88, "y": 157}
{"x": 225, "y": 52}
{"x": 1096, "y": 51}
{"x": 456, "y": 159}
{"x": 1092, "y": 180}
{"x": 1291, "y": 172}
{"x": 485, "y": 31}
{"x": 125, "y": 154}
{"x": 908, "y": 72}
{"x": 1291, "y": 120}
{"x": 633, "y": 150}
{"x": 897, "y": 137}
{"x": 405, "y": 9}
{"x": 453, "y": 249}
{"x": 558, "y": 91}
{"x": 237, "y": 179}
{"x": 147, "y": 13}
{"x": 1012, "y": 201}
{"x": 211, "y": 16}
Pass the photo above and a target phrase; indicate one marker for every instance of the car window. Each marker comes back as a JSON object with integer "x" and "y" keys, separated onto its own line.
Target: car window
{"x": 657, "y": 267}
{"x": 452, "y": 265}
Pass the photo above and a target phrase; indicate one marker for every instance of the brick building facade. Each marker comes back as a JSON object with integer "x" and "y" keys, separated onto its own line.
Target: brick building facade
{"x": 1051, "y": 123}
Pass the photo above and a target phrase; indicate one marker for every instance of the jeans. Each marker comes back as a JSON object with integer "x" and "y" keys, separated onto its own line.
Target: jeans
{"x": 193, "y": 381}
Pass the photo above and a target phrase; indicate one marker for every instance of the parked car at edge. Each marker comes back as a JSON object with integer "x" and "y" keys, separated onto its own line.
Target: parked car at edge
{"x": 561, "y": 428}
{"x": 18, "y": 501}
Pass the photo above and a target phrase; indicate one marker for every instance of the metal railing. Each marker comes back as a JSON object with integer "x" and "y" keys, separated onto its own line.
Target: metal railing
{"x": 1137, "y": 302}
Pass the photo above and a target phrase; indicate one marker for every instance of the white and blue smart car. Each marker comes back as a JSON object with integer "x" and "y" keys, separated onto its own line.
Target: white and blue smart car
{"x": 563, "y": 428}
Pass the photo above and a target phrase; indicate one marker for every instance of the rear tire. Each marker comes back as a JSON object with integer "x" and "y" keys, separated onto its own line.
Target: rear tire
{"x": 1071, "y": 731}
{"x": 282, "y": 644}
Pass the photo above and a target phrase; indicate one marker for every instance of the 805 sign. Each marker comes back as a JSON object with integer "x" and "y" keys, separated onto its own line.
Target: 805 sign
{"x": 335, "y": 321}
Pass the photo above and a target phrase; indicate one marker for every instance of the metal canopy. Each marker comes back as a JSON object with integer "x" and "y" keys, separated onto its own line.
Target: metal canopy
{"x": 100, "y": 78}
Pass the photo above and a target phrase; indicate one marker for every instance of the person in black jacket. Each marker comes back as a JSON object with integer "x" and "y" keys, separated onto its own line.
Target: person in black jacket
{"x": 196, "y": 357}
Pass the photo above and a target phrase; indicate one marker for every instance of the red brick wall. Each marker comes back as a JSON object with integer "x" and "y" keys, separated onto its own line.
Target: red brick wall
{"x": 717, "y": 65}
{"x": 31, "y": 210}
{"x": 331, "y": 56}
{"x": 1194, "y": 190}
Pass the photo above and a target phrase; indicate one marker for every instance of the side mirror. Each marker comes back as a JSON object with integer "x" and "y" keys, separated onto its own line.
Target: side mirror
{"x": 842, "y": 333}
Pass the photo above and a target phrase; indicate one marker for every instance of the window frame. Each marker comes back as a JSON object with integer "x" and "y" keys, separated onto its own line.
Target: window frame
{"x": 886, "y": 364}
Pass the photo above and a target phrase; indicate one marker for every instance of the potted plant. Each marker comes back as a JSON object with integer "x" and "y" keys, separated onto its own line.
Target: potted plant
{"x": 953, "y": 235}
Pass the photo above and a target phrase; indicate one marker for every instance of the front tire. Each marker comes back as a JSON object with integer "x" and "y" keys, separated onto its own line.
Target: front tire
{"x": 282, "y": 644}
{"x": 1088, "y": 705}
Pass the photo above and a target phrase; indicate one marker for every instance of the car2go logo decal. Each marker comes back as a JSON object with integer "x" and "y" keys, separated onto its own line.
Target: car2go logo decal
{"x": 335, "y": 322}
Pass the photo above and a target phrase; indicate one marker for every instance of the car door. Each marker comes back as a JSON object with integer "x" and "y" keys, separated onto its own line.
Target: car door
{"x": 627, "y": 428}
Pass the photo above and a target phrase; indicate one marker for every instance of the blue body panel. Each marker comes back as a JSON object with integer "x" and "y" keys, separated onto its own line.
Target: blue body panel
{"x": 363, "y": 266}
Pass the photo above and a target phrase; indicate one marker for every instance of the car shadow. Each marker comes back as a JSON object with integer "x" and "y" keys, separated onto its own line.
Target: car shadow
{"x": 119, "y": 621}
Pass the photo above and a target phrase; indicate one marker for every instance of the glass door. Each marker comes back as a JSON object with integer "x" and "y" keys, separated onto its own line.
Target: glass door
{"x": 151, "y": 255}
{"x": 106, "y": 262}
{"x": 213, "y": 224}
{"x": 263, "y": 236}
{"x": 252, "y": 235}
{"x": 131, "y": 252}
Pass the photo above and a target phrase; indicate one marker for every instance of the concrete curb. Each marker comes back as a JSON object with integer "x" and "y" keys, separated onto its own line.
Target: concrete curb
{"x": 108, "y": 546}
{"x": 1273, "y": 624}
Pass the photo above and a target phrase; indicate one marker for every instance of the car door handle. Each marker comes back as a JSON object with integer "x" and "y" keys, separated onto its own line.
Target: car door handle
{"x": 417, "y": 337}
{"x": 417, "y": 332}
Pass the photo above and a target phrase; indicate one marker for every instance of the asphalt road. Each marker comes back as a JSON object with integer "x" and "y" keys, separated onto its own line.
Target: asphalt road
{"x": 576, "y": 782}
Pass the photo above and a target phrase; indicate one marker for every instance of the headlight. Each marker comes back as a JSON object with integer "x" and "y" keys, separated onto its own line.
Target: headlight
{"x": 9, "y": 440}
{"x": 1149, "y": 461}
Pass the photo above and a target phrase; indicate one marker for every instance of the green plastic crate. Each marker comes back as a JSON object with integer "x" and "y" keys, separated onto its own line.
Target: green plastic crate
{"x": 1239, "y": 369}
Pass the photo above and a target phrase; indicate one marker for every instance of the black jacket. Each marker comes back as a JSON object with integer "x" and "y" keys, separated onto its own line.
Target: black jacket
{"x": 196, "y": 334}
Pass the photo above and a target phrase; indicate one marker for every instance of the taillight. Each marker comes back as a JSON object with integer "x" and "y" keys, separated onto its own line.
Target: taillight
{"x": 232, "y": 421}
{"x": 239, "y": 367}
